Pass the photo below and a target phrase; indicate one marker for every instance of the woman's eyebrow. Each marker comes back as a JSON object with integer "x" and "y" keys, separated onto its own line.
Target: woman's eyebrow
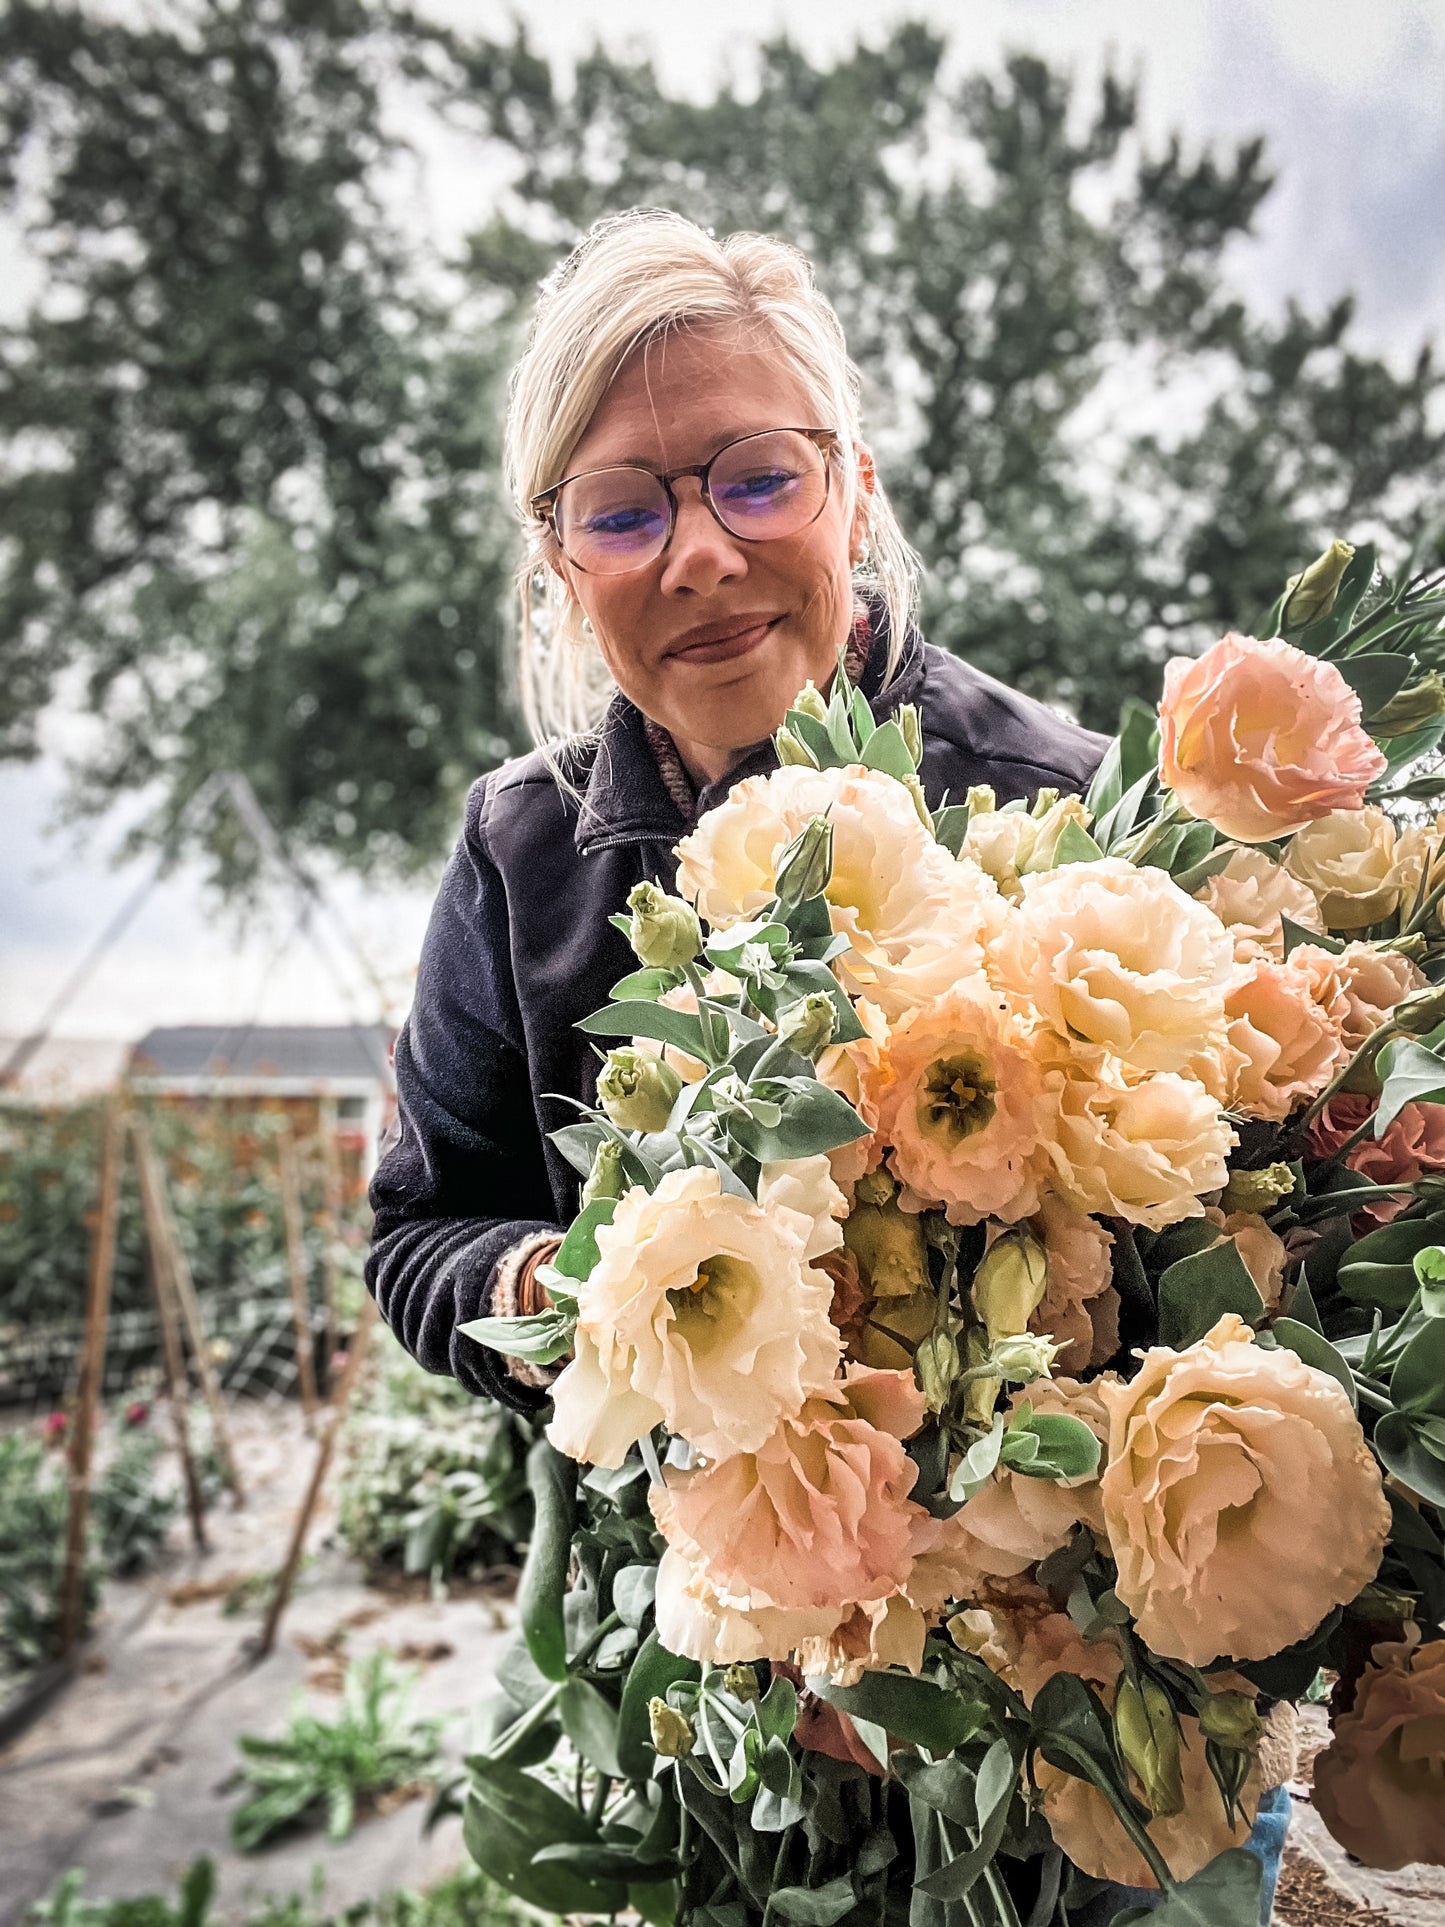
{"x": 651, "y": 459}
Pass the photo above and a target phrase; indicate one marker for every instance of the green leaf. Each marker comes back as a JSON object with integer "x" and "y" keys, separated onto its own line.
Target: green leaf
{"x": 1375, "y": 679}
{"x": 1288, "y": 1674}
{"x": 552, "y": 1481}
{"x": 589, "y": 1719}
{"x": 1226, "y": 1893}
{"x": 1295, "y": 934}
{"x": 938, "y": 1717}
{"x": 603, "y": 1858}
{"x": 1315, "y": 1350}
{"x": 1409, "y": 1074}
{"x": 1430, "y": 1271}
{"x": 814, "y": 1119}
{"x": 632, "y": 1593}
{"x": 648, "y": 1677}
{"x": 814, "y": 736}
{"x": 1107, "y": 786}
{"x": 578, "y": 1251}
{"x": 976, "y": 1467}
{"x": 1379, "y": 1270}
{"x": 1111, "y": 829}
{"x": 540, "y": 1339}
{"x": 1138, "y": 741}
{"x": 649, "y": 984}
{"x": 1417, "y": 1383}
{"x": 950, "y": 826}
{"x": 777, "y": 1710}
{"x": 802, "y": 978}
{"x": 997, "y": 1778}
{"x": 815, "y": 1906}
{"x": 1195, "y": 1292}
{"x": 507, "y": 1817}
{"x": 1075, "y": 845}
{"x": 1409, "y": 1455}
{"x": 654, "y": 1901}
{"x": 635, "y": 1017}
{"x": 1065, "y": 1449}
{"x": 887, "y": 750}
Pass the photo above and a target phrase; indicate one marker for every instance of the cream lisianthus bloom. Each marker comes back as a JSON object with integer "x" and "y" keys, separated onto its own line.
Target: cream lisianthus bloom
{"x": 961, "y": 1106}
{"x": 1348, "y": 859}
{"x": 895, "y": 892}
{"x": 703, "y": 1314}
{"x": 1010, "y": 844}
{"x": 1118, "y": 957}
{"x": 1241, "y": 1500}
{"x": 1251, "y": 896}
{"x": 1380, "y": 1783}
{"x": 1144, "y": 1151}
{"x": 1374, "y": 982}
{"x": 806, "y": 1186}
{"x": 1285, "y": 1034}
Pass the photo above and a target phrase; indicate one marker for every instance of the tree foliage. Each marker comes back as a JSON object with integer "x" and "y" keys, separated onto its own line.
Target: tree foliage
{"x": 254, "y": 494}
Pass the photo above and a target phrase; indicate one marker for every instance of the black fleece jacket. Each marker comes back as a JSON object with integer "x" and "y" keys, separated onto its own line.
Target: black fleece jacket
{"x": 519, "y": 949}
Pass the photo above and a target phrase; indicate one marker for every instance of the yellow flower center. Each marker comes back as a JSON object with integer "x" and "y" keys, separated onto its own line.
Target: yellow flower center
{"x": 724, "y": 1286}
{"x": 957, "y": 1097}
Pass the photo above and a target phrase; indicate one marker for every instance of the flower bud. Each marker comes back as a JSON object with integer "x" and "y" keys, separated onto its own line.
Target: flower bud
{"x": 810, "y": 701}
{"x": 936, "y": 1364}
{"x": 908, "y": 722}
{"x": 1423, "y": 702}
{"x": 742, "y": 1682}
{"x": 1256, "y": 1191}
{"x": 1311, "y": 594}
{"x": 606, "y": 1179}
{"x": 806, "y": 865}
{"x": 1020, "y": 1358}
{"x": 920, "y": 802}
{"x": 792, "y": 752}
{"x": 889, "y": 1246}
{"x": 1231, "y": 1719}
{"x": 981, "y": 1394}
{"x": 672, "y": 1734}
{"x": 1043, "y": 802}
{"x": 1148, "y": 1736}
{"x": 808, "y": 1025}
{"x": 1010, "y": 1282}
{"x": 665, "y": 931}
{"x": 637, "y": 1090}
{"x": 1422, "y": 1012}
{"x": 875, "y": 1187}
{"x": 982, "y": 799}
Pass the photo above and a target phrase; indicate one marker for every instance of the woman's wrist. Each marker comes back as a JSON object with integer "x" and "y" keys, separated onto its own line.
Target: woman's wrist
{"x": 518, "y": 1293}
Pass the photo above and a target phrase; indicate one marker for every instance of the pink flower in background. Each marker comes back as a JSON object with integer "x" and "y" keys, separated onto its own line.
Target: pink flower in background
{"x": 56, "y": 1424}
{"x": 137, "y": 1413}
{"x": 1377, "y": 1784}
{"x": 1413, "y": 1147}
{"x": 1259, "y": 738}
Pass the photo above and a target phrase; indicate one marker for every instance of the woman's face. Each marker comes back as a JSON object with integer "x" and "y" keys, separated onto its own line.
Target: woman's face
{"x": 715, "y": 637}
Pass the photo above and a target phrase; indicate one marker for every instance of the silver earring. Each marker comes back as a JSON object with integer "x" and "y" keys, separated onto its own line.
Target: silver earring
{"x": 864, "y": 557}
{"x": 588, "y": 632}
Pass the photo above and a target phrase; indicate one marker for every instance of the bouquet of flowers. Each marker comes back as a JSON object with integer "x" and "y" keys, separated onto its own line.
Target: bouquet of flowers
{"x": 1005, "y": 1324}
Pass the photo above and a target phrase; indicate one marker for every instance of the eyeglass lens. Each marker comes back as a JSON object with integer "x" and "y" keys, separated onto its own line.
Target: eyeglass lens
{"x": 763, "y": 487}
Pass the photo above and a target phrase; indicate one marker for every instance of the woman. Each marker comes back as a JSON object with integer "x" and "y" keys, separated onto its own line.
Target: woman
{"x": 685, "y": 449}
{"x": 708, "y": 529}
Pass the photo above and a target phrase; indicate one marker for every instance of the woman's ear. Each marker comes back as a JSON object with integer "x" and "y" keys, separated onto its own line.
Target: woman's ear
{"x": 867, "y": 483}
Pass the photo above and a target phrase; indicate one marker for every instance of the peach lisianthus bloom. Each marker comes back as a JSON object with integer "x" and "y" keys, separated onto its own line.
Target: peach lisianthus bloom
{"x": 1143, "y": 1151}
{"x": 820, "y": 1514}
{"x": 1251, "y": 896}
{"x": 1412, "y": 1148}
{"x": 1241, "y": 1500}
{"x": 960, "y": 1107}
{"x": 1379, "y": 1786}
{"x": 1080, "y": 1307}
{"x": 1374, "y": 983}
{"x": 696, "y": 1621}
{"x": 805, "y": 1186}
{"x": 1118, "y": 957}
{"x": 1261, "y": 1250}
{"x": 925, "y": 959}
{"x": 1349, "y": 860}
{"x": 1284, "y": 1043}
{"x": 1260, "y": 739}
{"x": 703, "y": 1314}
{"x": 852, "y": 1070}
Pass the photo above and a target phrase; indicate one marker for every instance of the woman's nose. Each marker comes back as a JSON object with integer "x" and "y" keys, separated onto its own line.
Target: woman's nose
{"x": 702, "y": 555}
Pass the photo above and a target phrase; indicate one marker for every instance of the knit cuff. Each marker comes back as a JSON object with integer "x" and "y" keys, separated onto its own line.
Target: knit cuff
{"x": 1279, "y": 1746}
{"x": 506, "y": 1302}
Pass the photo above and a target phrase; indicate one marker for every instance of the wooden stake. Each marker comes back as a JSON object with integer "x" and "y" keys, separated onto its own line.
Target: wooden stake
{"x": 166, "y": 1232}
{"x": 331, "y": 1212}
{"x": 286, "y": 1578}
{"x": 92, "y": 1372}
{"x": 289, "y": 1168}
{"x": 177, "y": 1384}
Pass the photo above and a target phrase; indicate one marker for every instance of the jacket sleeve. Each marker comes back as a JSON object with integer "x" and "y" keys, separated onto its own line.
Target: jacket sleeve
{"x": 462, "y": 1181}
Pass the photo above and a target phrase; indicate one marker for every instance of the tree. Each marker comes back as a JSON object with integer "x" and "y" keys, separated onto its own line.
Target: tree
{"x": 255, "y": 495}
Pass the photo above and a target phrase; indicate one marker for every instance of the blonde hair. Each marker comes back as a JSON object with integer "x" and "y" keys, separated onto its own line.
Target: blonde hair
{"x": 635, "y": 277}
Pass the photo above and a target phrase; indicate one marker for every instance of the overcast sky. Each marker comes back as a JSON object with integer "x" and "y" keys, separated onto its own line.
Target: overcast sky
{"x": 1352, "y": 99}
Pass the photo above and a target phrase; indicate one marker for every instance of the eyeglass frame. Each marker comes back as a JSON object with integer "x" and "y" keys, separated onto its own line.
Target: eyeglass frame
{"x": 544, "y": 506}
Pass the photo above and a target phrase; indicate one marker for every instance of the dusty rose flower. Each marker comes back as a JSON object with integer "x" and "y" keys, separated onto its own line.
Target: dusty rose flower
{"x": 1261, "y": 1250}
{"x": 1413, "y": 1147}
{"x": 1380, "y": 1783}
{"x": 959, "y": 1106}
{"x": 1259, "y": 738}
{"x": 1251, "y": 896}
{"x": 702, "y": 1314}
{"x": 853, "y": 1071}
{"x": 1241, "y": 1500}
{"x": 819, "y": 1515}
{"x": 1144, "y": 1151}
{"x": 1284, "y": 1044}
{"x": 1080, "y": 1307}
{"x": 1118, "y": 957}
{"x": 1374, "y": 983}
{"x": 1348, "y": 859}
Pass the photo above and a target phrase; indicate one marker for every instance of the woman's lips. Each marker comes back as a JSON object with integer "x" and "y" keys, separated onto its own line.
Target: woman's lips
{"x": 727, "y": 648}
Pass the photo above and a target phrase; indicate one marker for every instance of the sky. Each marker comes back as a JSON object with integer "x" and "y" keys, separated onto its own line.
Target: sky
{"x": 1352, "y": 100}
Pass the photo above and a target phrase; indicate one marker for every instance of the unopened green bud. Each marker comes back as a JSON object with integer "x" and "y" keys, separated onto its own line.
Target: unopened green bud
{"x": 637, "y": 1089}
{"x": 1423, "y": 702}
{"x": 606, "y": 1179}
{"x": 908, "y": 721}
{"x": 981, "y": 1394}
{"x": 808, "y": 1025}
{"x": 1231, "y": 1719}
{"x": 810, "y": 702}
{"x": 1010, "y": 1282}
{"x": 806, "y": 865}
{"x": 793, "y": 752}
{"x": 672, "y": 1734}
{"x": 889, "y": 1245}
{"x": 920, "y": 802}
{"x": 1148, "y": 1736}
{"x": 742, "y": 1682}
{"x": 982, "y": 799}
{"x": 665, "y": 931}
{"x": 1256, "y": 1191}
{"x": 1311, "y": 594}
{"x": 1043, "y": 802}
{"x": 1020, "y": 1358}
{"x": 1422, "y": 1012}
{"x": 936, "y": 1364}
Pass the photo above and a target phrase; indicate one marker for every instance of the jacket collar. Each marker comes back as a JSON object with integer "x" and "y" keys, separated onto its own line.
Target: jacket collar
{"x": 624, "y": 798}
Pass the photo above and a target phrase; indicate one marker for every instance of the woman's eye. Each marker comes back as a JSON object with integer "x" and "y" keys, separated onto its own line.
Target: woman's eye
{"x": 760, "y": 487}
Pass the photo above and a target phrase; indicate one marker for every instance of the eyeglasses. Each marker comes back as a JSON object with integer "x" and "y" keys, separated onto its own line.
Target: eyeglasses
{"x": 609, "y": 521}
